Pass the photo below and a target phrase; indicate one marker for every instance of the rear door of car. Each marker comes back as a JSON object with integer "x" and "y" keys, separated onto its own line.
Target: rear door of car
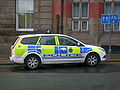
{"x": 48, "y": 44}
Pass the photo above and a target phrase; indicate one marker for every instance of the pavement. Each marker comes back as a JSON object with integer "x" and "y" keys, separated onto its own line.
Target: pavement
{"x": 4, "y": 59}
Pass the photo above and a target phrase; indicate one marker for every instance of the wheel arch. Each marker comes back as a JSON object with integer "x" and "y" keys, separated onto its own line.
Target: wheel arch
{"x": 35, "y": 54}
{"x": 93, "y": 53}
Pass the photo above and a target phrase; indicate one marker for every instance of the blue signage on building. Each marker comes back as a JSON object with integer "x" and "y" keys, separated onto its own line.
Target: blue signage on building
{"x": 105, "y": 19}
{"x": 114, "y": 19}
{"x": 110, "y": 19}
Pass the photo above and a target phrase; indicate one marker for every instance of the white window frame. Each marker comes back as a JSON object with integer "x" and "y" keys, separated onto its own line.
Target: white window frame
{"x": 105, "y": 29}
{"x": 106, "y": 7}
{"x": 112, "y": 29}
{"x": 78, "y": 25}
{"x": 80, "y": 12}
{"x": 110, "y": 2}
{"x": 80, "y": 18}
{"x": 17, "y": 22}
{"x": 115, "y": 30}
{"x": 87, "y": 26}
{"x": 87, "y": 12}
{"x": 73, "y": 9}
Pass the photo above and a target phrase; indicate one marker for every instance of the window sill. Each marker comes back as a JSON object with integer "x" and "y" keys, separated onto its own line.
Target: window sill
{"x": 25, "y": 29}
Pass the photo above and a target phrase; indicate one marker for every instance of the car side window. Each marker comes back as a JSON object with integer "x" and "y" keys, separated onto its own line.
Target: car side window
{"x": 47, "y": 40}
{"x": 67, "y": 41}
{"x": 30, "y": 40}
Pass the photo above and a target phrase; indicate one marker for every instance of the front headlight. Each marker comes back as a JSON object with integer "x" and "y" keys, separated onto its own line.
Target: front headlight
{"x": 102, "y": 49}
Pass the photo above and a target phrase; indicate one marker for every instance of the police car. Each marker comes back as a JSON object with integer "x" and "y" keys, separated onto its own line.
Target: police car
{"x": 36, "y": 49}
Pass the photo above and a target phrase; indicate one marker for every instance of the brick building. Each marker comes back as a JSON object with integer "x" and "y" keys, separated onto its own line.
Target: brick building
{"x": 81, "y": 19}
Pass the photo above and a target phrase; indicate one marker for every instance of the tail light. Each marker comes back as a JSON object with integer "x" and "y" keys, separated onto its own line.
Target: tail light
{"x": 10, "y": 52}
{"x": 13, "y": 45}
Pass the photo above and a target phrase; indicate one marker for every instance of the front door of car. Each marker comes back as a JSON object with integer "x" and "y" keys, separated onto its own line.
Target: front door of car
{"x": 68, "y": 48}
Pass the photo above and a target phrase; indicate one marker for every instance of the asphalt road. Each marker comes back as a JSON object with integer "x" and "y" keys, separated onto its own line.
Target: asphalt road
{"x": 105, "y": 76}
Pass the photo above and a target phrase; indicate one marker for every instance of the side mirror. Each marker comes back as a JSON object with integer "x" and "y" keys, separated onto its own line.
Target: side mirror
{"x": 79, "y": 44}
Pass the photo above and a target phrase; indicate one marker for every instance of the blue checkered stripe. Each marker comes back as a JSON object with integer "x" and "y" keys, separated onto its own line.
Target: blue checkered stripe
{"x": 61, "y": 50}
{"x": 85, "y": 50}
{"x": 34, "y": 49}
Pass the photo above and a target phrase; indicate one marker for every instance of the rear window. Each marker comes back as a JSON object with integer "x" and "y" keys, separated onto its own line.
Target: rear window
{"x": 30, "y": 40}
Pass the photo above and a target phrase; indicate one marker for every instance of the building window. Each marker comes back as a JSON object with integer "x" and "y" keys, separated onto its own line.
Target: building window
{"x": 116, "y": 27}
{"x": 116, "y": 10}
{"x": 76, "y": 10}
{"x": 84, "y": 9}
{"x": 24, "y": 15}
{"x": 80, "y": 15}
{"x": 108, "y": 27}
{"x": 75, "y": 25}
{"x": 108, "y": 8}
{"x": 84, "y": 25}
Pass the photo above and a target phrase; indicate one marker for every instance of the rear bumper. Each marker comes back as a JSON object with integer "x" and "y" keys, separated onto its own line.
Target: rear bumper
{"x": 16, "y": 60}
{"x": 11, "y": 59}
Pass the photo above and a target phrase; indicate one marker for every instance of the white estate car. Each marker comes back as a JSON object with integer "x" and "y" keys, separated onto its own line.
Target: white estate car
{"x": 33, "y": 50}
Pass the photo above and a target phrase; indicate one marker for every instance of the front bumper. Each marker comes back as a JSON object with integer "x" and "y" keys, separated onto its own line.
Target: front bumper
{"x": 103, "y": 57}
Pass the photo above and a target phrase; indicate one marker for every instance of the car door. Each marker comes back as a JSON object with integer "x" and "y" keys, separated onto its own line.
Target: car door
{"x": 48, "y": 44}
{"x": 68, "y": 49}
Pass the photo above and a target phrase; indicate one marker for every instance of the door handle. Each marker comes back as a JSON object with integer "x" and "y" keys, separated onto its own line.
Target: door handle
{"x": 63, "y": 49}
{"x": 41, "y": 48}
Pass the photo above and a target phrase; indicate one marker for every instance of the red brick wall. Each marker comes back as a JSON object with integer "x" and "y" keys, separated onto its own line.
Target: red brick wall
{"x": 96, "y": 9}
{"x": 56, "y": 8}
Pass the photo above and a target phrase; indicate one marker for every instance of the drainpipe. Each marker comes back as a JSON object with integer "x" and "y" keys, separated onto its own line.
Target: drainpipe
{"x": 62, "y": 15}
{"x": 58, "y": 23}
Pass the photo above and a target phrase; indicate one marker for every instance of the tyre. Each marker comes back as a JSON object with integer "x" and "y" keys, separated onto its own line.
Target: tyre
{"x": 32, "y": 62}
{"x": 92, "y": 60}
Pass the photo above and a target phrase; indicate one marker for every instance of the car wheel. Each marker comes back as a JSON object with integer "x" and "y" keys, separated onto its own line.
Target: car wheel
{"x": 92, "y": 60}
{"x": 32, "y": 62}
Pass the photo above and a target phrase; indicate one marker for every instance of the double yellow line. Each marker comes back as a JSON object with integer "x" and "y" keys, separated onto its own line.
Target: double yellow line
{"x": 112, "y": 62}
{"x": 6, "y": 66}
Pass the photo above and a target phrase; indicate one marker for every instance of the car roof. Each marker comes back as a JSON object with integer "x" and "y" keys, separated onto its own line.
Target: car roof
{"x": 32, "y": 35}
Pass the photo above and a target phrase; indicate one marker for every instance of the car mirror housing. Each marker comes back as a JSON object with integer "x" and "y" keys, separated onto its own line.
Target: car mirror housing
{"x": 79, "y": 44}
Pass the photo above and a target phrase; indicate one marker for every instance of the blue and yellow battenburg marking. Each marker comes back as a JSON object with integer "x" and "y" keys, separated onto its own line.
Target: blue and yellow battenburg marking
{"x": 61, "y": 56}
{"x": 34, "y": 49}
{"x": 60, "y": 52}
{"x": 85, "y": 50}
